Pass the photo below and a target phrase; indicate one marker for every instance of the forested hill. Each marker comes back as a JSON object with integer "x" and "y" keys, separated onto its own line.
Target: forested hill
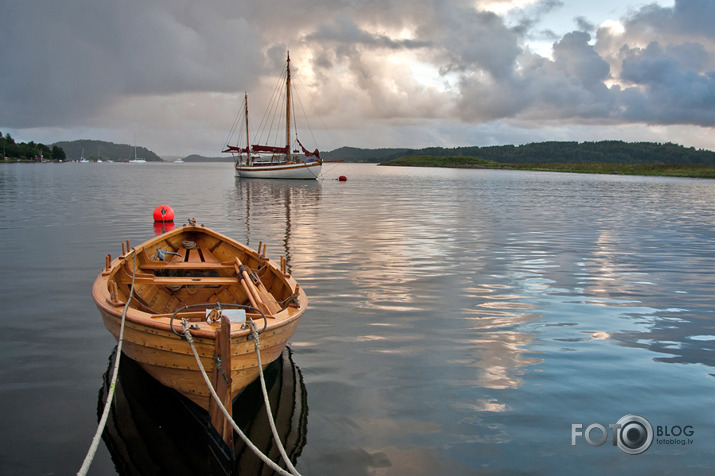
{"x": 353, "y": 154}
{"x": 95, "y": 149}
{"x": 615, "y": 152}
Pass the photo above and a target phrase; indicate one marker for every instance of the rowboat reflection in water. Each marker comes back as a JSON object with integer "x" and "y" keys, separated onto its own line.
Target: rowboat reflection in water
{"x": 153, "y": 430}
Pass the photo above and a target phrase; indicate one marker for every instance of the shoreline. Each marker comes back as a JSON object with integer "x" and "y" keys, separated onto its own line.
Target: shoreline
{"x": 462, "y": 162}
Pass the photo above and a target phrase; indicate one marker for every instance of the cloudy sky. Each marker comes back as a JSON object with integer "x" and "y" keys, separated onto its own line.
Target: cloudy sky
{"x": 369, "y": 73}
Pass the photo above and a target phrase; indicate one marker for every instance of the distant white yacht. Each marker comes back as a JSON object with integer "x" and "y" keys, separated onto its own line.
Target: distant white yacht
{"x": 135, "y": 159}
{"x": 179, "y": 161}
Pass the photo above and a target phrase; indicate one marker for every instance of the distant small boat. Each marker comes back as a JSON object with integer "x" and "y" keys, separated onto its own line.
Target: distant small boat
{"x": 276, "y": 162}
{"x": 136, "y": 160}
{"x": 178, "y": 161}
{"x": 214, "y": 283}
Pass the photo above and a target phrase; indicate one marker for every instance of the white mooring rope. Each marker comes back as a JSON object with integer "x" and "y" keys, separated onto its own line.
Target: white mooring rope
{"x": 263, "y": 457}
{"x": 105, "y": 414}
{"x": 282, "y": 450}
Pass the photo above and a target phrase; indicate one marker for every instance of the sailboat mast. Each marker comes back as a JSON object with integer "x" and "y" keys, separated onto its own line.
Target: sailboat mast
{"x": 288, "y": 107}
{"x": 248, "y": 141}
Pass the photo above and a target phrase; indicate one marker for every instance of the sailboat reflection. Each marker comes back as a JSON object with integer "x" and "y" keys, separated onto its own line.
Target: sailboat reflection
{"x": 284, "y": 209}
{"x": 153, "y": 430}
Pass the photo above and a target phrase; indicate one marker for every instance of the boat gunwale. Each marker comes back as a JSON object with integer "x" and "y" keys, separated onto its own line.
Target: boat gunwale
{"x": 101, "y": 293}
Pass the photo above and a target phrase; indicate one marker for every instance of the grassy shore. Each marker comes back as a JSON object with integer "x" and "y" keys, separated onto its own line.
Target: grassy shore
{"x": 463, "y": 162}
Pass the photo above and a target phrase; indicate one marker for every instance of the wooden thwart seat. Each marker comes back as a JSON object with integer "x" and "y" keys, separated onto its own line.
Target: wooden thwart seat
{"x": 194, "y": 259}
{"x": 186, "y": 280}
{"x": 201, "y": 266}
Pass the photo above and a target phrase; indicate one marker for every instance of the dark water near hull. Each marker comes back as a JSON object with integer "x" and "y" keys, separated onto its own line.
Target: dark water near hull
{"x": 153, "y": 430}
{"x": 460, "y": 322}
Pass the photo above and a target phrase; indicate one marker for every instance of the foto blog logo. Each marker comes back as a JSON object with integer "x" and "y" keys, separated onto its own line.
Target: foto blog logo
{"x": 633, "y": 434}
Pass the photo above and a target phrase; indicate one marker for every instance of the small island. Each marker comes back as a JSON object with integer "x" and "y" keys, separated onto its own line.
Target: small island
{"x": 606, "y": 157}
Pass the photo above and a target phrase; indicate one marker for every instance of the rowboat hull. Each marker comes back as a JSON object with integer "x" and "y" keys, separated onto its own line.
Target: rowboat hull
{"x": 169, "y": 359}
{"x": 165, "y": 292}
{"x": 297, "y": 171}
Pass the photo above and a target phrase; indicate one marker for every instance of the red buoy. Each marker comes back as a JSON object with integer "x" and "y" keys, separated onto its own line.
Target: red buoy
{"x": 163, "y": 213}
{"x": 343, "y": 178}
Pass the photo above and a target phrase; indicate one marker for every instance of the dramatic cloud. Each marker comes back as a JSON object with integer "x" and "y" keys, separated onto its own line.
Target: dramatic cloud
{"x": 375, "y": 73}
{"x": 665, "y": 64}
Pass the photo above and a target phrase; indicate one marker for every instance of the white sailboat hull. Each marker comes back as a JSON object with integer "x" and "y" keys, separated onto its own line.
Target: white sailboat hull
{"x": 299, "y": 171}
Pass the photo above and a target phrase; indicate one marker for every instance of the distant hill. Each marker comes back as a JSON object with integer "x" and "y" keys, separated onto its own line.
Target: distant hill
{"x": 353, "y": 154}
{"x": 613, "y": 152}
{"x": 95, "y": 149}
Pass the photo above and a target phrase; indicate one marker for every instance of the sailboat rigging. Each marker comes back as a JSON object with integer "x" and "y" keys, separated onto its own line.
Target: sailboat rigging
{"x": 276, "y": 161}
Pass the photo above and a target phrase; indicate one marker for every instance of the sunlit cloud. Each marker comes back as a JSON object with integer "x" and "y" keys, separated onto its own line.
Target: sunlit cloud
{"x": 393, "y": 73}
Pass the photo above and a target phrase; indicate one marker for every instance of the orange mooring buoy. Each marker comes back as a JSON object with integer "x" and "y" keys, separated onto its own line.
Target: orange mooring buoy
{"x": 163, "y": 213}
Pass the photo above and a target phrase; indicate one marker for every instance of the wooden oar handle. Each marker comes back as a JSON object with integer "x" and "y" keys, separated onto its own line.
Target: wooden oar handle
{"x": 250, "y": 288}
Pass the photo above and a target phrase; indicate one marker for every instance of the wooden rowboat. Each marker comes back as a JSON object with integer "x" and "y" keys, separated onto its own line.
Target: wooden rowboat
{"x": 213, "y": 283}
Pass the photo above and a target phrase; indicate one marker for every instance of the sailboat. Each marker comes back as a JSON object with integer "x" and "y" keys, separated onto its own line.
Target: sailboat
{"x": 276, "y": 161}
{"x": 135, "y": 159}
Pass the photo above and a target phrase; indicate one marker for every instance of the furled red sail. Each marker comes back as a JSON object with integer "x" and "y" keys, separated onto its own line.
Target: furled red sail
{"x": 268, "y": 148}
{"x": 315, "y": 153}
{"x": 233, "y": 148}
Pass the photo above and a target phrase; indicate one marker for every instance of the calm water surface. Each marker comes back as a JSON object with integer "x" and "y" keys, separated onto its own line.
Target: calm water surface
{"x": 460, "y": 322}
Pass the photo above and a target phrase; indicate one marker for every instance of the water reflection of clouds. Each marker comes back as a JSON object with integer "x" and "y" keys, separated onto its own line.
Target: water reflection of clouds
{"x": 639, "y": 268}
{"x": 463, "y": 305}
{"x": 497, "y": 341}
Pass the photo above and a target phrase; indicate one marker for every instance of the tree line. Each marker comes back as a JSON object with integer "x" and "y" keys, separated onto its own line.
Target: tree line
{"x": 99, "y": 149}
{"x": 29, "y": 150}
{"x": 607, "y": 152}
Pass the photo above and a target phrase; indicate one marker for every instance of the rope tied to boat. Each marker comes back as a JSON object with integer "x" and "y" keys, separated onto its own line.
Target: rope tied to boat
{"x": 237, "y": 429}
{"x": 217, "y": 359}
{"x": 218, "y": 304}
{"x": 110, "y": 395}
{"x": 257, "y": 345}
